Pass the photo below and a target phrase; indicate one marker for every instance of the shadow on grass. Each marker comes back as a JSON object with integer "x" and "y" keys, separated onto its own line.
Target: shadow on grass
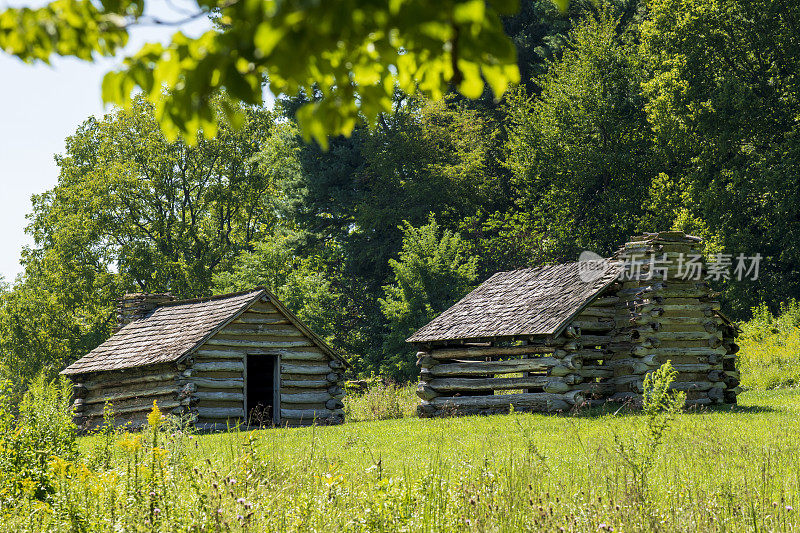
{"x": 630, "y": 410}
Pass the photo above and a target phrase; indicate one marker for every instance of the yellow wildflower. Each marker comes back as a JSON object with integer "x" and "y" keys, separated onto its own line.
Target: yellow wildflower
{"x": 130, "y": 442}
{"x": 155, "y": 417}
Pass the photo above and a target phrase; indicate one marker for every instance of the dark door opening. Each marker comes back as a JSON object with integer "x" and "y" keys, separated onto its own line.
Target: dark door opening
{"x": 261, "y": 389}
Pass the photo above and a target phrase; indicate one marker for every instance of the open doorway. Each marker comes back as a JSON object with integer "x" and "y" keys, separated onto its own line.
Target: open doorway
{"x": 262, "y": 386}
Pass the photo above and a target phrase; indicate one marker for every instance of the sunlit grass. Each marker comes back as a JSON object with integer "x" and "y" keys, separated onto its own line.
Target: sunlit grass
{"x": 733, "y": 469}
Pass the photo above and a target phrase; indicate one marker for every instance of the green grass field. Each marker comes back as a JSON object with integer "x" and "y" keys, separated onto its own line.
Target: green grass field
{"x": 730, "y": 470}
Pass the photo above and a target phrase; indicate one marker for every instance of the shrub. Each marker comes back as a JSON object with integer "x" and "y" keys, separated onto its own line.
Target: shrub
{"x": 380, "y": 402}
{"x": 42, "y": 429}
{"x": 770, "y": 348}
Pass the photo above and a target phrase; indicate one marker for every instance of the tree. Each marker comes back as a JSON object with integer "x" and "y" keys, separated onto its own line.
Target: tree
{"x": 347, "y": 204}
{"x": 581, "y": 152}
{"x": 131, "y": 211}
{"x": 431, "y": 274}
{"x": 355, "y": 53}
{"x": 723, "y": 104}
{"x": 166, "y": 215}
{"x": 299, "y": 282}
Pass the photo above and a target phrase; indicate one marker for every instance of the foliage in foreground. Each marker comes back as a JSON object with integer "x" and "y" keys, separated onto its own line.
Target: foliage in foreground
{"x": 32, "y": 433}
{"x": 355, "y": 54}
{"x": 770, "y": 348}
{"x": 713, "y": 471}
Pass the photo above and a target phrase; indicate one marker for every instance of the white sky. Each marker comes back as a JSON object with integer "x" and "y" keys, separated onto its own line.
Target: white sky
{"x": 40, "y": 106}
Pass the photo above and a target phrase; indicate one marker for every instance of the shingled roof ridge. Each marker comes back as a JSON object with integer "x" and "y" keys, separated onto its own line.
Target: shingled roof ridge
{"x": 213, "y": 297}
{"x": 611, "y": 259}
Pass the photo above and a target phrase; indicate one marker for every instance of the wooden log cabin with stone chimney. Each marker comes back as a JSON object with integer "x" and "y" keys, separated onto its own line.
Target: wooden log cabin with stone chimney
{"x": 240, "y": 357}
{"x": 555, "y": 337}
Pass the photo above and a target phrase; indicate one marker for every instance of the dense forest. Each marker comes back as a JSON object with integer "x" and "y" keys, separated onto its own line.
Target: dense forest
{"x": 631, "y": 116}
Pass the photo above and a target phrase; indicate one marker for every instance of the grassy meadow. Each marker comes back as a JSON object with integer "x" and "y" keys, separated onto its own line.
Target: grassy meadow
{"x": 728, "y": 470}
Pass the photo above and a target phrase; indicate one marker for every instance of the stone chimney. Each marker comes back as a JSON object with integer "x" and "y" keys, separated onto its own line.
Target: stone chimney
{"x": 137, "y": 305}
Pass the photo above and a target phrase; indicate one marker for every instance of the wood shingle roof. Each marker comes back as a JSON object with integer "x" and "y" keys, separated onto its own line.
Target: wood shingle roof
{"x": 532, "y": 301}
{"x": 171, "y": 331}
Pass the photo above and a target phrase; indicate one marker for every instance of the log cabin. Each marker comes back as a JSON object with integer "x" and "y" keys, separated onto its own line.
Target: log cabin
{"x": 580, "y": 334}
{"x": 240, "y": 358}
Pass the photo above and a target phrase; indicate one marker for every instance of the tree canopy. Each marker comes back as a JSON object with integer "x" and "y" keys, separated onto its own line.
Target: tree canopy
{"x": 355, "y": 54}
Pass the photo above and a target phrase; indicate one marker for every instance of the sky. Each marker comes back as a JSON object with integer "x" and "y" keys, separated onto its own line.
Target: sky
{"x": 40, "y": 106}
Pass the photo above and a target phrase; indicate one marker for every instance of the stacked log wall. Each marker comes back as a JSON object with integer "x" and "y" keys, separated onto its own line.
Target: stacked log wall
{"x": 595, "y": 328}
{"x": 311, "y": 382}
{"x": 468, "y": 378}
{"x": 131, "y": 393}
{"x": 674, "y": 319}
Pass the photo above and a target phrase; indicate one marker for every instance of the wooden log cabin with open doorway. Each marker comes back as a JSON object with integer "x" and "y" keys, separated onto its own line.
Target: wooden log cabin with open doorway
{"x": 222, "y": 360}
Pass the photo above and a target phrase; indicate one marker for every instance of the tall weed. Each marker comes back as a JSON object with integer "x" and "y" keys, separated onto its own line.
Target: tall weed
{"x": 380, "y": 402}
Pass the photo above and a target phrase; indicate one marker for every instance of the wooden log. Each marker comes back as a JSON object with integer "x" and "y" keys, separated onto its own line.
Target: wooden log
{"x": 707, "y": 306}
{"x": 695, "y": 385}
{"x": 291, "y": 368}
{"x": 219, "y": 383}
{"x": 482, "y": 368}
{"x": 305, "y": 397}
{"x": 278, "y": 342}
{"x": 686, "y": 335}
{"x": 596, "y": 372}
{"x": 731, "y": 348}
{"x": 220, "y": 412}
{"x": 561, "y": 370}
{"x": 482, "y": 352}
{"x": 716, "y": 394}
{"x": 696, "y": 402}
{"x": 133, "y": 392}
{"x": 594, "y": 340}
{"x": 449, "y": 385}
{"x": 263, "y": 308}
{"x": 261, "y": 330}
{"x": 220, "y": 366}
{"x": 593, "y": 325}
{"x": 310, "y": 414}
{"x": 335, "y": 364}
{"x": 696, "y": 367}
{"x": 219, "y": 354}
{"x": 305, "y": 383}
{"x": 334, "y": 404}
{"x": 541, "y": 401}
{"x": 116, "y": 380}
{"x": 293, "y": 354}
{"x": 219, "y": 396}
{"x": 425, "y": 392}
{"x": 275, "y": 319}
{"x": 333, "y": 377}
{"x": 605, "y": 301}
{"x": 144, "y": 406}
{"x": 667, "y": 352}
